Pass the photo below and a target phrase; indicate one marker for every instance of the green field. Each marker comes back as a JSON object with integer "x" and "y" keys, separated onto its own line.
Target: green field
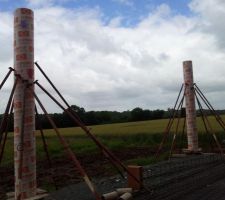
{"x": 114, "y": 136}
{"x": 130, "y": 128}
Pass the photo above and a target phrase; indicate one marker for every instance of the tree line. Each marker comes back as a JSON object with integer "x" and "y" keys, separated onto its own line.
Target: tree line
{"x": 102, "y": 117}
{"x": 62, "y": 120}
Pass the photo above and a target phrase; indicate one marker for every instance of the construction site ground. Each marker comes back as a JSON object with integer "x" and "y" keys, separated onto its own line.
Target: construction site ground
{"x": 193, "y": 177}
{"x": 65, "y": 173}
{"x": 199, "y": 177}
{"x": 215, "y": 191}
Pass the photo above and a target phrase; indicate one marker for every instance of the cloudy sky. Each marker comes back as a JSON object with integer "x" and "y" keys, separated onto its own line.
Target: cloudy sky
{"x": 120, "y": 54}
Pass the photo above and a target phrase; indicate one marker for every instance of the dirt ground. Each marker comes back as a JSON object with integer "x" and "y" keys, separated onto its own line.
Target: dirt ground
{"x": 63, "y": 171}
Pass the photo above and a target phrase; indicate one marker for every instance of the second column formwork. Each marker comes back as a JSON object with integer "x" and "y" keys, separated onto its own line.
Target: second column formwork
{"x": 192, "y": 135}
{"x": 24, "y": 106}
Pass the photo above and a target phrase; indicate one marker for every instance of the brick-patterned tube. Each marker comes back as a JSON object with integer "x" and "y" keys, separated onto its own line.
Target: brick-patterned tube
{"x": 25, "y": 178}
{"x": 192, "y": 136}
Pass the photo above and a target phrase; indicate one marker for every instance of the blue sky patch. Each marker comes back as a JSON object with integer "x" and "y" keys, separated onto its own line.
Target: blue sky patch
{"x": 130, "y": 11}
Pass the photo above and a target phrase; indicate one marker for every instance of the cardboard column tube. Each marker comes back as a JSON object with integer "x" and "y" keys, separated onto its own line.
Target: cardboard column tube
{"x": 192, "y": 136}
{"x": 24, "y": 113}
{"x": 126, "y": 196}
{"x": 122, "y": 191}
{"x": 110, "y": 196}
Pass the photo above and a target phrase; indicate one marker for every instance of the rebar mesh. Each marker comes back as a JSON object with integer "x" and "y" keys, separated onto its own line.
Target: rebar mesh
{"x": 167, "y": 180}
{"x": 175, "y": 178}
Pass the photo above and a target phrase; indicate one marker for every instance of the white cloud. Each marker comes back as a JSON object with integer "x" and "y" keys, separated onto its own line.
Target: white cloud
{"x": 111, "y": 67}
{"x": 211, "y": 15}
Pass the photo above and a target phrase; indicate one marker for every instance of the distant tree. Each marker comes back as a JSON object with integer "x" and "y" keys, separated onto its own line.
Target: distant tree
{"x": 124, "y": 116}
{"x": 91, "y": 118}
{"x": 147, "y": 115}
{"x": 137, "y": 114}
{"x": 80, "y": 111}
{"x": 77, "y": 109}
{"x": 106, "y": 117}
{"x": 158, "y": 114}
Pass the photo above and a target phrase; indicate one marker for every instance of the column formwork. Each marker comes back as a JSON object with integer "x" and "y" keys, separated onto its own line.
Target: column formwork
{"x": 192, "y": 135}
{"x": 24, "y": 106}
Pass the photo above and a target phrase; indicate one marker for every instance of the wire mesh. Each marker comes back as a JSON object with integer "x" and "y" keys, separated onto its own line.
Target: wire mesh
{"x": 171, "y": 180}
{"x": 167, "y": 180}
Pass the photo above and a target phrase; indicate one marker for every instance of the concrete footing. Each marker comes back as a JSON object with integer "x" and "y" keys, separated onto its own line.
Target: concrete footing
{"x": 41, "y": 194}
{"x": 182, "y": 155}
{"x": 191, "y": 152}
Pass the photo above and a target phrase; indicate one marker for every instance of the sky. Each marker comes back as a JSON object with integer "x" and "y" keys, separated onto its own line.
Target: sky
{"x": 121, "y": 54}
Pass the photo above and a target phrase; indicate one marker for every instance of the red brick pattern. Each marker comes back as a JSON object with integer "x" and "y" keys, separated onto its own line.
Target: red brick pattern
{"x": 192, "y": 136}
{"x": 25, "y": 186}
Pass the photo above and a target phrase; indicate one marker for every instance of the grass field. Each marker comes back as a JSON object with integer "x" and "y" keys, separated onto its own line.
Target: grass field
{"x": 130, "y": 128}
{"x": 115, "y": 136}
